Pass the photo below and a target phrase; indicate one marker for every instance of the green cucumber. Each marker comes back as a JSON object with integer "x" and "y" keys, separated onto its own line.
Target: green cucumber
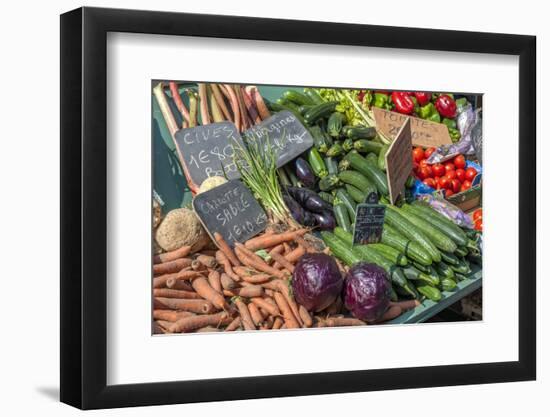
{"x": 463, "y": 267}
{"x": 393, "y": 294}
{"x": 444, "y": 270}
{"x": 313, "y": 95}
{"x": 346, "y": 199}
{"x": 329, "y": 182}
{"x": 328, "y": 197}
{"x": 360, "y": 132}
{"x": 297, "y": 98}
{"x": 366, "y": 146}
{"x": 317, "y": 164}
{"x": 391, "y": 254}
{"x": 447, "y": 284}
{"x": 431, "y": 293}
{"x": 342, "y": 217}
{"x": 382, "y": 157}
{"x": 450, "y": 258}
{"x": 439, "y": 239}
{"x": 414, "y": 274}
{"x": 340, "y": 249}
{"x": 441, "y": 222}
{"x": 335, "y": 123}
{"x": 355, "y": 193}
{"x": 371, "y": 172}
{"x": 372, "y": 256}
{"x": 372, "y": 159}
{"x": 461, "y": 251}
{"x": 460, "y": 277}
{"x": 406, "y": 228}
{"x": 319, "y": 111}
{"x": 408, "y": 247}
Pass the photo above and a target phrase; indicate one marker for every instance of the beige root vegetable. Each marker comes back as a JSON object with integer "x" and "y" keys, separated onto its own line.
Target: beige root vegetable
{"x": 181, "y": 227}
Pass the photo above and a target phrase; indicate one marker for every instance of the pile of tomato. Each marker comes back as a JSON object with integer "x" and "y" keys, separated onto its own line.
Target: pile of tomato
{"x": 478, "y": 219}
{"x": 451, "y": 176}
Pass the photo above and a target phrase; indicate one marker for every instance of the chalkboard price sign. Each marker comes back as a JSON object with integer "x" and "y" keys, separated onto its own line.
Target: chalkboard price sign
{"x": 285, "y": 133}
{"x": 369, "y": 222}
{"x": 208, "y": 150}
{"x": 231, "y": 210}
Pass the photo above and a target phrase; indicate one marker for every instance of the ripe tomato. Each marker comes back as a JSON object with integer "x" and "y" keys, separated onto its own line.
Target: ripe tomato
{"x": 455, "y": 185}
{"x": 451, "y": 174}
{"x": 418, "y": 154}
{"x": 444, "y": 182}
{"x": 423, "y": 163}
{"x": 478, "y": 214}
{"x": 428, "y": 152}
{"x": 449, "y": 166}
{"x": 448, "y": 193}
{"x": 471, "y": 173}
{"x": 460, "y": 174}
{"x": 424, "y": 172}
{"x": 438, "y": 170}
{"x": 430, "y": 182}
{"x": 478, "y": 225}
{"x": 415, "y": 167}
{"x": 466, "y": 185}
{"x": 459, "y": 161}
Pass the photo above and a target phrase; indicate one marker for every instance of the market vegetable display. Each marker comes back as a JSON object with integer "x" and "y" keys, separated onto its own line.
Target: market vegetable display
{"x": 304, "y": 270}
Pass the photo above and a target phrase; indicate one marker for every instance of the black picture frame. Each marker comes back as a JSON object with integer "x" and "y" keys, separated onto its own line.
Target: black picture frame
{"x": 84, "y": 207}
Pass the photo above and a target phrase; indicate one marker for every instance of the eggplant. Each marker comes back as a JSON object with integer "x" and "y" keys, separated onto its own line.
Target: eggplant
{"x": 325, "y": 220}
{"x": 308, "y": 199}
{"x": 296, "y": 210}
{"x": 305, "y": 173}
{"x": 309, "y": 219}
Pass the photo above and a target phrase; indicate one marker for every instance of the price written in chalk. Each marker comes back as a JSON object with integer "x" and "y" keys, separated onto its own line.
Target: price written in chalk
{"x": 231, "y": 210}
{"x": 284, "y": 133}
{"x": 208, "y": 151}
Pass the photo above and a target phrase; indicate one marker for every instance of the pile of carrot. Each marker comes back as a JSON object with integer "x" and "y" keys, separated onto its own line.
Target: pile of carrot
{"x": 246, "y": 287}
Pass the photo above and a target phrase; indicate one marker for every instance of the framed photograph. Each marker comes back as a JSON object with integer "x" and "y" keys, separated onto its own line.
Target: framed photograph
{"x": 258, "y": 208}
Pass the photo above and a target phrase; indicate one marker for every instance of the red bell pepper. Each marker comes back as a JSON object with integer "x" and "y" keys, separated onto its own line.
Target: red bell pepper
{"x": 446, "y": 106}
{"x": 403, "y": 102}
{"x": 422, "y": 97}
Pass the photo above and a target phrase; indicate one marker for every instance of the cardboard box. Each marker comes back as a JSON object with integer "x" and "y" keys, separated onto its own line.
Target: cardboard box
{"x": 468, "y": 199}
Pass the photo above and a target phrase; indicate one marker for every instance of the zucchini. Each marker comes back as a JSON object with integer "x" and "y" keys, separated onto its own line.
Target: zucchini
{"x": 329, "y": 182}
{"x": 289, "y": 104}
{"x": 328, "y": 197}
{"x": 461, "y": 251}
{"x": 342, "y": 216}
{"x": 297, "y": 98}
{"x": 366, "y": 146}
{"x": 391, "y": 254}
{"x": 304, "y": 108}
{"x": 360, "y": 132}
{"x": 372, "y": 173}
{"x": 343, "y": 165}
{"x": 331, "y": 164}
{"x": 372, "y": 159}
{"x": 335, "y": 123}
{"x": 447, "y": 284}
{"x": 317, "y": 164}
{"x": 366, "y": 253}
{"x": 355, "y": 193}
{"x": 340, "y": 249}
{"x": 319, "y": 111}
{"x": 346, "y": 199}
{"x": 439, "y": 239}
{"x": 408, "y": 247}
{"x": 431, "y": 293}
{"x": 276, "y": 107}
{"x": 335, "y": 150}
{"x": 414, "y": 274}
{"x": 313, "y": 95}
{"x": 444, "y": 270}
{"x": 356, "y": 179}
{"x": 406, "y": 228}
{"x": 347, "y": 145}
{"x": 382, "y": 157}
{"x": 449, "y": 258}
{"x": 441, "y": 222}
{"x": 319, "y": 139}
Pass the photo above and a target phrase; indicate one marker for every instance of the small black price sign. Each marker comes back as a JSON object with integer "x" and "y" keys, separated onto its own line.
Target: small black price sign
{"x": 369, "y": 221}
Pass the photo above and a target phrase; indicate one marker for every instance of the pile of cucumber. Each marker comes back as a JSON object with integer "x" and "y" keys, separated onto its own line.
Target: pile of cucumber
{"x": 423, "y": 252}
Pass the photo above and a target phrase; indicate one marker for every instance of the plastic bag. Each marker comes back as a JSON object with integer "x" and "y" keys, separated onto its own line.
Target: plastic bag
{"x": 468, "y": 123}
{"x": 447, "y": 209}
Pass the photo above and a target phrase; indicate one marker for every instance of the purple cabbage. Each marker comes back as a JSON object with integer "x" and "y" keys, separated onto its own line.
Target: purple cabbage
{"x": 316, "y": 281}
{"x": 367, "y": 291}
